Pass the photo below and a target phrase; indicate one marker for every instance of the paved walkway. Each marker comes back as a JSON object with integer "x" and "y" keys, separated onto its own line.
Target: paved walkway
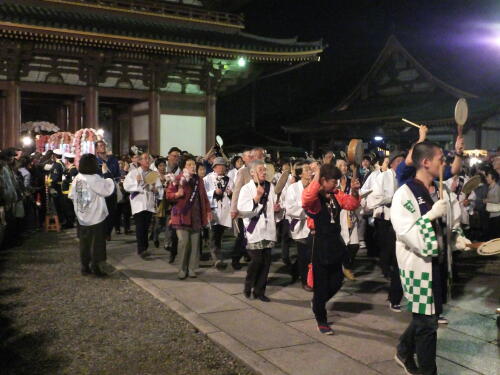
{"x": 280, "y": 337}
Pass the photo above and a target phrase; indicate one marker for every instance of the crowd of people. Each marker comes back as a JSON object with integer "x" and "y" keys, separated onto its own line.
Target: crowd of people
{"x": 328, "y": 208}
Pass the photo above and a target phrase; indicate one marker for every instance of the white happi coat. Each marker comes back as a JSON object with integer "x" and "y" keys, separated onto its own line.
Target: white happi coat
{"x": 221, "y": 210}
{"x": 368, "y": 186}
{"x": 282, "y": 214}
{"x": 293, "y": 206}
{"x": 265, "y": 228}
{"x": 416, "y": 245}
{"x": 384, "y": 186}
{"x": 465, "y": 211}
{"x": 350, "y": 236}
{"x": 145, "y": 200}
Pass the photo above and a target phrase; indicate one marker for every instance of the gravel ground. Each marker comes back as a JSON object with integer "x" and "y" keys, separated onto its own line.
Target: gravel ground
{"x": 55, "y": 321}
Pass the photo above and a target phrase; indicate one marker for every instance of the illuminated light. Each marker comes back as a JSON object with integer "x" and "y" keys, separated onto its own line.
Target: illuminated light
{"x": 100, "y": 132}
{"x": 27, "y": 141}
{"x": 242, "y": 62}
{"x": 473, "y": 161}
{"x": 378, "y": 138}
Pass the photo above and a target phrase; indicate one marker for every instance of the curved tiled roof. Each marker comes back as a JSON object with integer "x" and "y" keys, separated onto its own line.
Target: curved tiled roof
{"x": 94, "y": 22}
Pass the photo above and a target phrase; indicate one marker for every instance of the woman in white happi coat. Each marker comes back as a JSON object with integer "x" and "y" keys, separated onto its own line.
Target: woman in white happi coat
{"x": 297, "y": 217}
{"x": 257, "y": 205}
{"x": 348, "y": 223}
{"x": 219, "y": 189}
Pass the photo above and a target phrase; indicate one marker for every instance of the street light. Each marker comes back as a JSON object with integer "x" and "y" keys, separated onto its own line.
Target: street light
{"x": 242, "y": 62}
{"x": 27, "y": 141}
{"x": 378, "y": 138}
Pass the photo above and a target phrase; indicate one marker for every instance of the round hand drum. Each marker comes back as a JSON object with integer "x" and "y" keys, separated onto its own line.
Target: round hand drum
{"x": 471, "y": 185}
{"x": 151, "y": 178}
{"x": 355, "y": 151}
{"x": 490, "y": 248}
{"x": 461, "y": 114}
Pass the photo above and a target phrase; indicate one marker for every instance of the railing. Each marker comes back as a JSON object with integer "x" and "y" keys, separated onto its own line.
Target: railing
{"x": 176, "y": 10}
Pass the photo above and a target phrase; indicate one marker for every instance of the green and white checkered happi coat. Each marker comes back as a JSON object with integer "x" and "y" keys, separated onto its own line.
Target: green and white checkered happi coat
{"x": 419, "y": 287}
{"x": 416, "y": 244}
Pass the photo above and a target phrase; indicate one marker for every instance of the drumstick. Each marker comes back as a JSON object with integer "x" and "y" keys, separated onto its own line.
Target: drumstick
{"x": 441, "y": 183}
{"x": 411, "y": 123}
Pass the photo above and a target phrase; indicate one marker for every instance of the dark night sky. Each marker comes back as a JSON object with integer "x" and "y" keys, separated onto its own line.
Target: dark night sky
{"x": 355, "y": 32}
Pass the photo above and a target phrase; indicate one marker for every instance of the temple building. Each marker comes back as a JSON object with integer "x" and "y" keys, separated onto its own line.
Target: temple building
{"x": 422, "y": 87}
{"x": 146, "y": 72}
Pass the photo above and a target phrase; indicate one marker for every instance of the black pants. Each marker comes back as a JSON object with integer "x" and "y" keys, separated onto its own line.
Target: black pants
{"x": 239, "y": 249}
{"x": 69, "y": 211}
{"x": 388, "y": 260}
{"x": 216, "y": 233}
{"x": 123, "y": 213}
{"x": 493, "y": 228}
{"x": 142, "y": 221}
{"x": 285, "y": 239}
{"x": 352, "y": 250}
{"x": 59, "y": 205}
{"x": 303, "y": 258}
{"x": 92, "y": 246}
{"x": 421, "y": 338}
{"x": 258, "y": 270}
{"x": 327, "y": 282}
{"x": 372, "y": 248}
{"x": 111, "y": 219}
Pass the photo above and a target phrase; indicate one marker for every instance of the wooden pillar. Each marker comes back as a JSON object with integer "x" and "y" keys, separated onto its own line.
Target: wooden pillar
{"x": 154, "y": 122}
{"x": 74, "y": 115}
{"x": 12, "y": 125}
{"x": 211, "y": 127}
{"x": 92, "y": 108}
{"x": 3, "y": 121}
{"x": 62, "y": 117}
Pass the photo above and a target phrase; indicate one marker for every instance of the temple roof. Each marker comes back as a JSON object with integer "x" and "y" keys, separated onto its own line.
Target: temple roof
{"x": 81, "y": 21}
{"x": 423, "y": 88}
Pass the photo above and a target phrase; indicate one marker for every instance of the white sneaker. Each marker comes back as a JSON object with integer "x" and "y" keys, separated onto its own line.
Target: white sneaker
{"x": 442, "y": 320}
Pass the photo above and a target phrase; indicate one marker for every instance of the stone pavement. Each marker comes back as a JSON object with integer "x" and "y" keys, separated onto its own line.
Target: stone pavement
{"x": 280, "y": 337}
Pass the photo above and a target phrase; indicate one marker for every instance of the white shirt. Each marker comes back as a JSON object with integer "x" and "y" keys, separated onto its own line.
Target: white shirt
{"x": 265, "y": 229}
{"x": 141, "y": 197}
{"x": 221, "y": 209}
{"x": 384, "y": 187}
{"x": 232, "y": 174}
{"x": 88, "y": 192}
{"x": 292, "y": 203}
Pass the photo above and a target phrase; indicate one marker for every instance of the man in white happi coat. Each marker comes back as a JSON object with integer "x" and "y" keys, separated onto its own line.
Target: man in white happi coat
{"x": 142, "y": 201}
{"x": 417, "y": 214}
{"x": 384, "y": 187}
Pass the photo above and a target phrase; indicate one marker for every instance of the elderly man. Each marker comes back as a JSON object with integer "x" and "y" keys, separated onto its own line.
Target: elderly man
{"x": 219, "y": 190}
{"x": 142, "y": 201}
